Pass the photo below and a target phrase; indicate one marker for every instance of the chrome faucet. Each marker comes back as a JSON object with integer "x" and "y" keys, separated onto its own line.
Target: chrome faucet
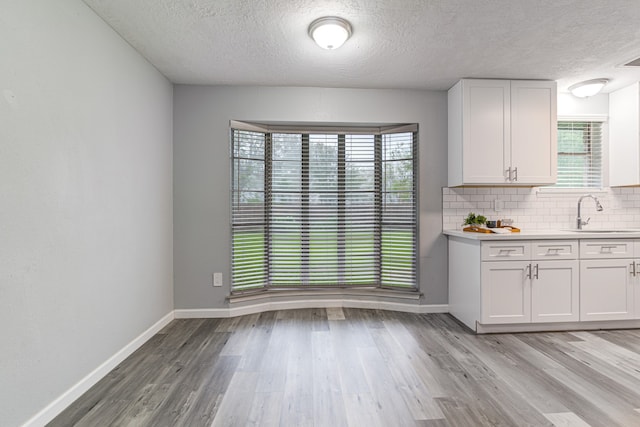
{"x": 599, "y": 208}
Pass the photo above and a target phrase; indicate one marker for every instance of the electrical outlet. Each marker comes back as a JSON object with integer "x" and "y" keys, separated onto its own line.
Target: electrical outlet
{"x": 498, "y": 205}
{"x": 217, "y": 279}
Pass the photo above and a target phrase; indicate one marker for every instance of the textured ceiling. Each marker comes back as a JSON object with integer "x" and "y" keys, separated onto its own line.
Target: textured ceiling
{"x": 425, "y": 44}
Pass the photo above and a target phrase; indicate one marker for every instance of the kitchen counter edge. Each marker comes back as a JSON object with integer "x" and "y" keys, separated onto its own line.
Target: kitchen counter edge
{"x": 543, "y": 235}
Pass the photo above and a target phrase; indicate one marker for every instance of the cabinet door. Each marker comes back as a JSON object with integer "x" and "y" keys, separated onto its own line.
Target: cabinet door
{"x": 485, "y": 131}
{"x": 534, "y": 131}
{"x": 506, "y": 292}
{"x": 555, "y": 291}
{"x": 606, "y": 289}
{"x": 624, "y": 136}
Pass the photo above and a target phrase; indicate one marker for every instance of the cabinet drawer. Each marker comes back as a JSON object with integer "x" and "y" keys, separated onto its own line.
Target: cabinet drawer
{"x": 603, "y": 249}
{"x": 499, "y": 251}
{"x": 554, "y": 249}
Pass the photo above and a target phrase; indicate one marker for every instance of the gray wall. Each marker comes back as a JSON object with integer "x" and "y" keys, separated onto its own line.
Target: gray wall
{"x": 85, "y": 199}
{"x": 202, "y": 171}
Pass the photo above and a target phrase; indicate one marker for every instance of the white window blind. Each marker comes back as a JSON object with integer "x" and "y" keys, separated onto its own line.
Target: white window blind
{"x": 323, "y": 209}
{"x": 579, "y": 154}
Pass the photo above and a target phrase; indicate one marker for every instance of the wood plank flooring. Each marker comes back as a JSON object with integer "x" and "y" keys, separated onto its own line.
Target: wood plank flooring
{"x": 351, "y": 367}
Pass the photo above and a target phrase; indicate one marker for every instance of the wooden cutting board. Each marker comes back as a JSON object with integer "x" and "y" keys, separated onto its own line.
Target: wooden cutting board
{"x": 477, "y": 230}
{"x": 488, "y": 230}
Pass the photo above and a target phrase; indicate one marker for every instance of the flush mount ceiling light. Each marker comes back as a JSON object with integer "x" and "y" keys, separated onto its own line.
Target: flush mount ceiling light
{"x": 330, "y": 32}
{"x": 588, "y": 88}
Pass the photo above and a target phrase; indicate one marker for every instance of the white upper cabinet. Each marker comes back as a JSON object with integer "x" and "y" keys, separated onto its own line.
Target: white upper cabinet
{"x": 624, "y": 136}
{"x": 502, "y": 132}
{"x": 534, "y": 128}
{"x": 479, "y": 132}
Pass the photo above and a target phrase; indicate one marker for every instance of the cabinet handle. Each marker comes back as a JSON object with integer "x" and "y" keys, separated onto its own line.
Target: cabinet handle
{"x": 633, "y": 268}
{"x": 509, "y": 178}
{"x": 506, "y": 252}
{"x": 515, "y": 174}
{"x": 527, "y": 274}
{"x": 535, "y": 275}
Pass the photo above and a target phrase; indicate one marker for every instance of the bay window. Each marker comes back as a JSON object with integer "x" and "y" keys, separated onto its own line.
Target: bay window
{"x": 323, "y": 207}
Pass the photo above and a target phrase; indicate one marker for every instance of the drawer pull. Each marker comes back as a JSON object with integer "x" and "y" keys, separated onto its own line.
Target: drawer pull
{"x": 553, "y": 251}
{"x": 506, "y": 251}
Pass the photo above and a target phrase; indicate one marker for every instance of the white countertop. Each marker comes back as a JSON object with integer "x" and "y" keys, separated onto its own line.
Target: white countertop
{"x": 546, "y": 235}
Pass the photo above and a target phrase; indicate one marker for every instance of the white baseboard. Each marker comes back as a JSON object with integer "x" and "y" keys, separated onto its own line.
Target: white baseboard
{"x": 68, "y": 397}
{"x": 315, "y": 303}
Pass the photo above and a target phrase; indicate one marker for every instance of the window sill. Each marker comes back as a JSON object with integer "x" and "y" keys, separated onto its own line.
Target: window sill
{"x": 333, "y": 294}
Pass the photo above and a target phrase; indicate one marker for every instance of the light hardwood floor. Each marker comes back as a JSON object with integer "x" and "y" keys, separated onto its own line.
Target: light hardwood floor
{"x": 351, "y": 367}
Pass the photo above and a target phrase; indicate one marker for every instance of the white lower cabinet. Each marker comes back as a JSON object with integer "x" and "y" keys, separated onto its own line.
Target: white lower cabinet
{"x": 609, "y": 280}
{"x": 537, "y": 291}
{"x": 506, "y": 292}
{"x": 528, "y": 285}
{"x": 555, "y": 292}
{"x": 544, "y": 288}
{"x": 606, "y": 289}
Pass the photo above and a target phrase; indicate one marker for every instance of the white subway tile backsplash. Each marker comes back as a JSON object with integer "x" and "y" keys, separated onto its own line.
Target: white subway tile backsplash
{"x": 532, "y": 210}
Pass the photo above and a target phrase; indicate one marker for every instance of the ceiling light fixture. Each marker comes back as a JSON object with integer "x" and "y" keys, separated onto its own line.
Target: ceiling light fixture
{"x": 330, "y": 32}
{"x": 588, "y": 88}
